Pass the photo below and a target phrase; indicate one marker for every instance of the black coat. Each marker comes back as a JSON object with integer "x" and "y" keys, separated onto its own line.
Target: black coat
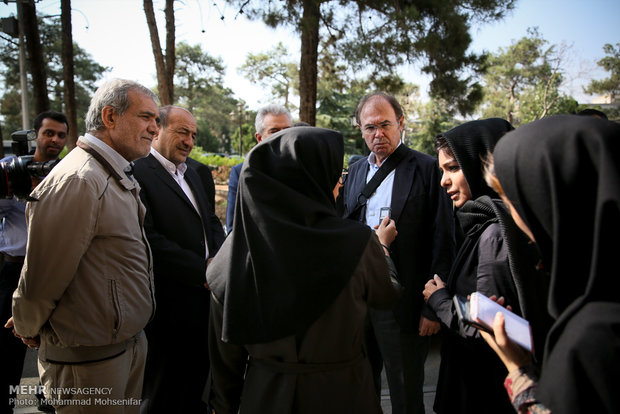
{"x": 204, "y": 172}
{"x": 176, "y": 234}
{"x": 174, "y": 228}
{"x": 471, "y": 375}
{"x": 423, "y": 215}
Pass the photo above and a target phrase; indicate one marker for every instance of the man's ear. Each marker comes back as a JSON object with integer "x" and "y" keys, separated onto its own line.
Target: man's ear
{"x": 258, "y": 137}
{"x": 109, "y": 117}
{"x": 156, "y": 136}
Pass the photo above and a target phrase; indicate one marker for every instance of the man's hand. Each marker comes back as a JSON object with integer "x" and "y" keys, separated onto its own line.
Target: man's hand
{"x": 432, "y": 286}
{"x": 30, "y": 342}
{"x": 428, "y": 327}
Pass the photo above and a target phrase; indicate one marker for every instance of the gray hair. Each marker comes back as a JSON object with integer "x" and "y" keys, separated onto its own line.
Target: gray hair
{"x": 271, "y": 109}
{"x": 114, "y": 93}
{"x": 164, "y": 112}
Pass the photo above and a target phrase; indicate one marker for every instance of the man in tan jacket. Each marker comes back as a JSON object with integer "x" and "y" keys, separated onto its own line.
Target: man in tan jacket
{"x": 86, "y": 289}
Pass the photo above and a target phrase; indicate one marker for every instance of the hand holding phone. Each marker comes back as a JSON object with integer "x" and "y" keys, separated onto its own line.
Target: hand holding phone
{"x": 480, "y": 312}
{"x": 384, "y": 212}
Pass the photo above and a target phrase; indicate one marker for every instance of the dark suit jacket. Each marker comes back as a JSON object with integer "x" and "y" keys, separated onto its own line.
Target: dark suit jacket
{"x": 204, "y": 172}
{"x": 233, "y": 182}
{"x": 175, "y": 233}
{"x": 423, "y": 215}
{"x": 173, "y": 227}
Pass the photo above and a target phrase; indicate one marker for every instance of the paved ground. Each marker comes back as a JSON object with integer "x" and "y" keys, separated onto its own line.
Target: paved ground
{"x": 30, "y": 377}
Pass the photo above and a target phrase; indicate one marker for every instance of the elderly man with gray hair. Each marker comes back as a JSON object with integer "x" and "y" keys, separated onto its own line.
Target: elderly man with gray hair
{"x": 269, "y": 120}
{"x": 86, "y": 289}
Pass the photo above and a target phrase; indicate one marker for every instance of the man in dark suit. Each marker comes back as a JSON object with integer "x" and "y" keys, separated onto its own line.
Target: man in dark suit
{"x": 424, "y": 245}
{"x": 184, "y": 234}
{"x": 269, "y": 120}
{"x": 204, "y": 172}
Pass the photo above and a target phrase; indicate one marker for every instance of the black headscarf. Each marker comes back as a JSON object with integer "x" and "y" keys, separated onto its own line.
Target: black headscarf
{"x": 470, "y": 142}
{"x": 289, "y": 254}
{"x": 562, "y": 174}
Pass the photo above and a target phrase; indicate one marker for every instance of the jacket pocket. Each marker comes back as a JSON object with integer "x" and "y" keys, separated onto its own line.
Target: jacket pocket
{"x": 116, "y": 304}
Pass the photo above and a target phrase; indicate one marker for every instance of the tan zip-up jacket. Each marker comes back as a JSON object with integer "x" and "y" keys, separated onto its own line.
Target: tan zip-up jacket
{"x": 86, "y": 286}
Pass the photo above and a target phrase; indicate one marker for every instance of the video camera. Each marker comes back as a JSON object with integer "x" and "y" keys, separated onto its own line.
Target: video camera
{"x": 16, "y": 172}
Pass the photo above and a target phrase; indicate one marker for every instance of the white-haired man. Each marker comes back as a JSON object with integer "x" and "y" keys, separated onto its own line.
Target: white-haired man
{"x": 269, "y": 120}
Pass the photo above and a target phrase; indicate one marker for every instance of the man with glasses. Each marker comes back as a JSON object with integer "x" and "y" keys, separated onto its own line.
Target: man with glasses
{"x": 410, "y": 191}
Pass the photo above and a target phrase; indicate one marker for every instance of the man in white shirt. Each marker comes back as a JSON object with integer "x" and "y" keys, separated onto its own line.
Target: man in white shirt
{"x": 184, "y": 234}
{"x": 424, "y": 246}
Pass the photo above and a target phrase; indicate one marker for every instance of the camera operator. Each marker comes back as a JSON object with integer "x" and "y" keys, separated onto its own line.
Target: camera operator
{"x": 51, "y": 129}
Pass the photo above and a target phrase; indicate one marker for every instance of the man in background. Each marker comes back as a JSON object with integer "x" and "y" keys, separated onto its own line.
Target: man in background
{"x": 269, "y": 120}
{"x": 51, "y": 129}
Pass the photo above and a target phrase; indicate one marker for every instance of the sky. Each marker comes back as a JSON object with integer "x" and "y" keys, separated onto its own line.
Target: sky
{"x": 115, "y": 33}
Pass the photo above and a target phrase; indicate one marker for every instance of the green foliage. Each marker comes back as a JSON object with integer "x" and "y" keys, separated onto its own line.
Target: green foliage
{"x": 274, "y": 70}
{"x": 87, "y": 73}
{"x": 433, "y": 120}
{"x": 611, "y": 63}
{"x": 376, "y": 36}
{"x": 195, "y": 70}
{"x": 199, "y": 88}
{"x": 213, "y": 160}
{"x": 522, "y": 82}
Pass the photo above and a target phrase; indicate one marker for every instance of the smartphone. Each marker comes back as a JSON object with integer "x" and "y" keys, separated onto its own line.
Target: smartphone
{"x": 461, "y": 304}
{"x": 480, "y": 312}
{"x": 384, "y": 212}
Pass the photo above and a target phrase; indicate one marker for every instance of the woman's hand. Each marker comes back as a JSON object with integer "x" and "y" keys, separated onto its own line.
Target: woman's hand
{"x": 511, "y": 354}
{"x": 386, "y": 231}
{"x": 432, "y": 286}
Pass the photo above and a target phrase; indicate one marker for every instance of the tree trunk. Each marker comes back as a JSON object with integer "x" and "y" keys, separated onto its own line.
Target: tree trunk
{"x": 170, "y": 48}
{"x": 308, "y": 63}
{"x": 35, "y": 54}
{"x": 165, "y": 94}
{"x": 68, "y": 73}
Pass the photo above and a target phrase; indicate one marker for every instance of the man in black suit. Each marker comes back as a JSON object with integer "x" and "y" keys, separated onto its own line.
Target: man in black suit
{"x": 184, "y": 234}
{"x": 424, "y": 245}
{"x": 204, "y": 172}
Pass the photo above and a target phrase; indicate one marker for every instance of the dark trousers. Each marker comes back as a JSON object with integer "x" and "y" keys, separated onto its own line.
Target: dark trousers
{"x": 177, "y": 361}
{"x": 403, "y": 355}
{"x": 12, "y": 349}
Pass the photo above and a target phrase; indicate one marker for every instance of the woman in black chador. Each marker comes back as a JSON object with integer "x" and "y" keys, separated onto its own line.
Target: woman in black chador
{"x": 493, "y": 258}
{"x": 291, "y": 286}
{"x": 561, "y": 179}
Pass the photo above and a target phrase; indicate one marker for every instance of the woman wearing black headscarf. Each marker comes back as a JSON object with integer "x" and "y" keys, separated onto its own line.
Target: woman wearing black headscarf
{"x": 561, "y": 179}
{"x": 291, "y": 284}
{"x": 492, "y": 259}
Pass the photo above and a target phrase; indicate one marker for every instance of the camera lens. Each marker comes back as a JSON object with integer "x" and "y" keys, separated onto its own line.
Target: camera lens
{"x": 14, "y": 177}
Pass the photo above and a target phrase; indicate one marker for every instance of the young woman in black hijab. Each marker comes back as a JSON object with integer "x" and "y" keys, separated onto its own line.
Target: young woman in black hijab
{"x": 561, "y": 179}
{"x": 291, "y": 284}
{"x": 490, "y": 260}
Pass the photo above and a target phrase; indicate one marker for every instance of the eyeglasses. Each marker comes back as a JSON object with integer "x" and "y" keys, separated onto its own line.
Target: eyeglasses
{"x": 371, "y": 129}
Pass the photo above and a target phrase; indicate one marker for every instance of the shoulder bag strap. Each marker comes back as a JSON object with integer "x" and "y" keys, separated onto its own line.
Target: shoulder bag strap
{"x": 393, "y": 160}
